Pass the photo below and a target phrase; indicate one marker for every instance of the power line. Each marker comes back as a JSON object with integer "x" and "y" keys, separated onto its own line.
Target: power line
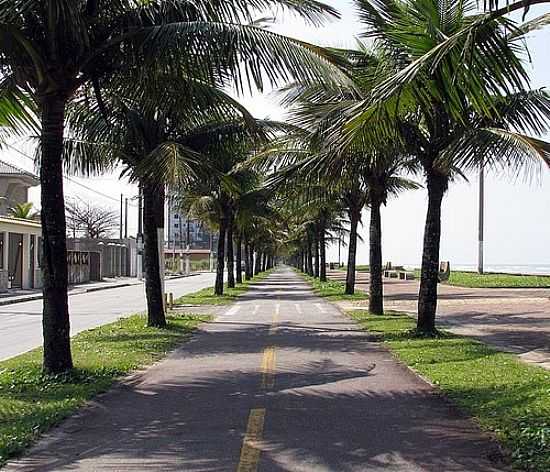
{"x": 72, "y": 180}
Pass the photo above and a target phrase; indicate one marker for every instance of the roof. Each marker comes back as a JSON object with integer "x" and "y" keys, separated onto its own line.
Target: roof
{"x": 9, "y": 169}
{"x": 20, "y": 222}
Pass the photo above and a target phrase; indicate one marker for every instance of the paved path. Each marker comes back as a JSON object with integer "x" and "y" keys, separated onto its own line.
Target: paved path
{"x": 21, "y": 324}
{"x": 282, "y": 381}
{"x": 514, "y": 320}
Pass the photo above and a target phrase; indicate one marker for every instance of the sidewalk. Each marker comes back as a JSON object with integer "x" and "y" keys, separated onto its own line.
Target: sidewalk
{"x": 20, "y": 296}
{"x": 282, "y": 381}
{"x": 513, "y": 320}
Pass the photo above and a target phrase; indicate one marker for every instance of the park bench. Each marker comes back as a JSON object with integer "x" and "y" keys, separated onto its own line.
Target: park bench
{"x": 397, "y": 272}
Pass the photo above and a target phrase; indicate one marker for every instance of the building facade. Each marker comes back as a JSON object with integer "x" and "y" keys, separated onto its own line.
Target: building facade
{"x": 14, "y": 186}
{"x": 184, "y": 232}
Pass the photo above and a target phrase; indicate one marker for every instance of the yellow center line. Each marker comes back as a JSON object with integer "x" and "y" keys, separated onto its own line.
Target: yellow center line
{"x": 268, "y": 368}
{"x": 250, "y": 452}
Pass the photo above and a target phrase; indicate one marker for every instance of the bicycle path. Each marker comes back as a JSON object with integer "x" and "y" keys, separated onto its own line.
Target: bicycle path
{"x": 281, "y": 381}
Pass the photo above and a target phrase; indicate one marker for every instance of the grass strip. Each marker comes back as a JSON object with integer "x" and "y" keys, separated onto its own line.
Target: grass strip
{"x": 358, "y": 268}
{"x": 31, "y": 402}
{"x": 333, "y": 290}
{"x": 474, "y": 280}
{"x": 207, "y": 296}
{"x": 506, "y": 396}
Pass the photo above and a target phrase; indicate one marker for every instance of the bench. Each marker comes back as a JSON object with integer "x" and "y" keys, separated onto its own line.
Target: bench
{"x": 397, "y": 272}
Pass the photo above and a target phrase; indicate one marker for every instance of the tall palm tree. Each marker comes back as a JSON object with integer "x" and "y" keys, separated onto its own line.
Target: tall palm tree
{"x": 484, "y": 108}
{"x": 217, "y": 189}
{"x": 49, "y": 49}
{"x": 157, "y": 145}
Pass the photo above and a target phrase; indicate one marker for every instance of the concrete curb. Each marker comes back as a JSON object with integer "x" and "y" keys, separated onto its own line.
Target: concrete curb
{"x": 80, "y": 291}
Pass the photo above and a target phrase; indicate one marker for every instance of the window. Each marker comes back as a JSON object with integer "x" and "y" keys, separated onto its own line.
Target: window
{"x": 40, "y": 253}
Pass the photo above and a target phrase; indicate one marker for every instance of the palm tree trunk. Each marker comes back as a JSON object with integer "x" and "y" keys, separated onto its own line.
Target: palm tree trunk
{"x": 218, "y": 289}
{"x": 352, "y": 254}
{"x": 239, "y": 261}
{"x": 323, "y": 252}
{"x": 55, "y": 312}
{"x": 427, "y": 297}
{"x": 376, "y": 287}
{"x": 309, "y": 258}
{"x": 153, "y": 221}
{"x": 230, "y": 254}
{"x": 247, "y": 269}
{"x": 258, "y": 263}
{"x": 317, "y": 250}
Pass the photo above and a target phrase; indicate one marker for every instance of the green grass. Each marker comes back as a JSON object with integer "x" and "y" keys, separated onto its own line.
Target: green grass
{"x": 358, "y": 268}
{"x": 31, "y": 403}
{"x": 508, "y": 397}
{"x": 474, "y": 280}
{"x": 206, "y": 296}
{"x": 333, "y": 290}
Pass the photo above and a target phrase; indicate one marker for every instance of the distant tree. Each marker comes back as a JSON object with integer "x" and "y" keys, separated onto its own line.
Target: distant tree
{"x": 24, "y": 211}
{"x": 89, "y": 220}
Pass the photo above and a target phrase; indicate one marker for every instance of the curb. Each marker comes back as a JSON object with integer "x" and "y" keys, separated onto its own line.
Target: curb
{"x": 80, "y": 291}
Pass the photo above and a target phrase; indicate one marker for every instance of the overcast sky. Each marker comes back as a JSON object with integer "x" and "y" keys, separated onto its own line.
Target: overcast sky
{"x": 517, "y": 212}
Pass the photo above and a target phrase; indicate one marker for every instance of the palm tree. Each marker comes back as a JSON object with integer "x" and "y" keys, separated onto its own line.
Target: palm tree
{"x": 24, "y": 211}
{"x": 462, "y": 113}
{"x": 50, "y": 49}
{"x": 218, "y": 183}
{"x": 157, "y": 145}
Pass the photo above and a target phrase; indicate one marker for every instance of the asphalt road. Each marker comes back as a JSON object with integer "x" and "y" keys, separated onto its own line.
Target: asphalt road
{"x": 281, "y": 381}
{"x": 21, "y": 324}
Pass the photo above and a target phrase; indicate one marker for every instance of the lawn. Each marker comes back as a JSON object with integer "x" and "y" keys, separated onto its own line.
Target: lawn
{"x": 508, "y": 397}
{"x": 333, "y": 290}
{"x": 31, "y": 403}
{"x": 358, "y": 268}
{"x": 475, "y": 280}
{"x": 206, "y": 296}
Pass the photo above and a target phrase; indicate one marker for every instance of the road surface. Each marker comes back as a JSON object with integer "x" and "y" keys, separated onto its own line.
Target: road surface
{"x": 21, "y": 324}
{"x": 281, "y": 381}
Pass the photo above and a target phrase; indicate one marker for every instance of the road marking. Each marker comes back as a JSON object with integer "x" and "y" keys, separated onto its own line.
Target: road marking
{"x": 256, "y": 309}
{"x": 275, "y": 321}
{"x": 268, "y": 368}
{"x": 321, "y": 308}
{"x": 298, "y": 309}
{"x": 233, "y": 310}
{"x": 250, "y": 452}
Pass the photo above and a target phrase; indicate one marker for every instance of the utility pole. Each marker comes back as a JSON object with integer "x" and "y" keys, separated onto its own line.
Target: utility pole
{"x": 121, "y": 214}
{"x": 126, "y": 219}
{"x": 188, "y": 259}
{"x": 480, "y": 262}
{"x": 139, "y": 262}
{"x": 339, "y": 249}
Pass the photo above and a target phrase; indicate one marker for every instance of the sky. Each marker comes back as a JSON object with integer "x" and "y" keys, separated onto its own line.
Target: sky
{"x": 517, "y": 211}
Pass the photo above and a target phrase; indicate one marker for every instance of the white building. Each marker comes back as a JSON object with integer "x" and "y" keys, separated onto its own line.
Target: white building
{"x": 20, "y": 240}
{"x": 14, "y": 186}
{"x": 20, "y": 253}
